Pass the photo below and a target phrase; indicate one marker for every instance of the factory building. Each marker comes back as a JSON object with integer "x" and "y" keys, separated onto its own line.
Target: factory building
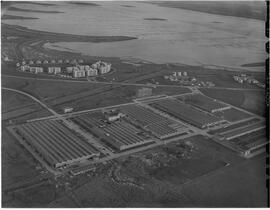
{"x": 36, "y": 70}
{"x": 55, "y": 143}
{"x": 113, "y": 115}
{"x": 144, "y": 92}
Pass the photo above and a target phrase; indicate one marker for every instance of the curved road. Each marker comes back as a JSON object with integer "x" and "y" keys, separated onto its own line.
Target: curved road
{"x": 33, "y": 98}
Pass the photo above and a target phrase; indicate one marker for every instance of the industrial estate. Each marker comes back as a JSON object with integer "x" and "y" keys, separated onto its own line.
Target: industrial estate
{"x": 94, "y": 131}
{"x": 75, "y": 140}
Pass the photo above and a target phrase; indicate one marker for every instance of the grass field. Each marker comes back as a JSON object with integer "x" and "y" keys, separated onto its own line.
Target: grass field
{"x": 14, "y": 100}
{"x": 250, "y": 100}
{"x": 17, "y": 164}
{"x": 19, "y": 108}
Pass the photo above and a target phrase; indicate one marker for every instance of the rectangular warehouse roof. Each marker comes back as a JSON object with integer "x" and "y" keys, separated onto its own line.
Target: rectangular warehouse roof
{"x": 186, "y": 113}
{"x": 57, "y": 144}
{"x": 203, "y": 102}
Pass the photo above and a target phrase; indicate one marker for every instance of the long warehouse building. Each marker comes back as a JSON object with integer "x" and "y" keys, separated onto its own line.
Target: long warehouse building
{"x": 187, "y": 113}
{"x": 56, "y": 143}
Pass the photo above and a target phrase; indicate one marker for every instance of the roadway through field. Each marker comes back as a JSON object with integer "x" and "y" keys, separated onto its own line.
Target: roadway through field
{"x": 126, "y": 83}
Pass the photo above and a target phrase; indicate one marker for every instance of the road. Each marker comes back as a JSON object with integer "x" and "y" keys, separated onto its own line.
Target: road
{"x": 33, "y": 98}
{"x": 68, "y": 123}
{"x": 126, "y": 83}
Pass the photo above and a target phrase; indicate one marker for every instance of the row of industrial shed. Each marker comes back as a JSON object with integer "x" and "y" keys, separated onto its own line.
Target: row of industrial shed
{"x": 187, "y": 113}
{"x": 55, "y": 143}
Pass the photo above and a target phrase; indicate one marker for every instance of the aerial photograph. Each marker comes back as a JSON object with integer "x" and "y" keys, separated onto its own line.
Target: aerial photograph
{"x": 133, "y": 104}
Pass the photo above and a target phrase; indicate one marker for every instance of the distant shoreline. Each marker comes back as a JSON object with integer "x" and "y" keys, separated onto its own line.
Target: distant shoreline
{"x": 15, "y": 17}
{"x": 84, "y": 3}
{"x": 233, "y": 9}
{"x": 56, "y": 37}
{"x": 159, "y": 19}
{"x": 31, "y": 10}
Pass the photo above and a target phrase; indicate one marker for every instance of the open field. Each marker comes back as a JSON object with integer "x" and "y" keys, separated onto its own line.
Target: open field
{"x": 12, "y": 101}
{"x": 233, "y": 115}
{"x": 221, "y": 78}
{"x": 47, "y": 90}
{"x": 203, "y": 102}
{"x": 17, "y": 163}
{"x": 19, "y": 108}
{"x": 130, "y": 181}
{"x": 253, "y": 101}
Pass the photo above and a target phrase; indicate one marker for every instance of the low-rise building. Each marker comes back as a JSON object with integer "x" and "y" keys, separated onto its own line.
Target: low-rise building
{"x": 68, "y": 109}
{"x": 54, "y": 70}
{"x": 36, "y": 70}
{"x": 144, "y": 92}
{"x": 69, "y": 69}
{"x": 25, "y": 68}
{"x": 91, "y": 72}
{"x": 78, "y": 73}
{"x": 113, "y": 115}
{"x": 81, "y": 67}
